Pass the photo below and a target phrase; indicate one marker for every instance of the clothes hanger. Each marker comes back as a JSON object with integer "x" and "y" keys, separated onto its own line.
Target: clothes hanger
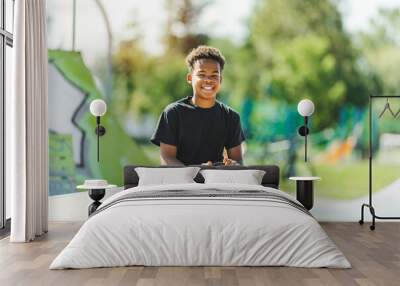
{"x": 397, "y": 113}
{"x": 387, "y": 106}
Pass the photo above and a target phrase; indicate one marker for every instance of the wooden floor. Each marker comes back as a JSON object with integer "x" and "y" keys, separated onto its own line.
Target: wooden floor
{"x": 374, "y": 255}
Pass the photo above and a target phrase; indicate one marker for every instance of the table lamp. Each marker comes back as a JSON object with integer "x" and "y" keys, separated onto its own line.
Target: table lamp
{"x": 305, "y": 109}
{"x": 98, "y": 108}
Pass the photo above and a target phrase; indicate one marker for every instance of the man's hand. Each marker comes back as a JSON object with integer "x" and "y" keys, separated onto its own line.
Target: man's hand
{"x": 230, "y": 162}
{"x": 226, "y": 162}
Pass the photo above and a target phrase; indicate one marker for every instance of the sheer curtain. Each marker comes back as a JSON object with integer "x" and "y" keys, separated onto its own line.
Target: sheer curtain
{"x": 26, "y": 124}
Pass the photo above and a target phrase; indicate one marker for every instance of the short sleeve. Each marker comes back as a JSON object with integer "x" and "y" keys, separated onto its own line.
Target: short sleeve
{"x": 235, "y": 132}
{"x": 166, "y": 130}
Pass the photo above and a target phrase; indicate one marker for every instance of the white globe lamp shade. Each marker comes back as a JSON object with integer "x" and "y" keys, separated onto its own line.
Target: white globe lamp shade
{"x": 98, "y": 107}
{"x": 305, "y": 107}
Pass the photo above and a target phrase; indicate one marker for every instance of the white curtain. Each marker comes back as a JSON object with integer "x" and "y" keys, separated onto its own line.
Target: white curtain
{"x": 26, "y": 124}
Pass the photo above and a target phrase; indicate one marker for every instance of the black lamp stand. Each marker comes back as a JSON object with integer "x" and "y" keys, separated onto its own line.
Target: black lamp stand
{"x": 304, "y": 131}
{"x": 100, "y": 131}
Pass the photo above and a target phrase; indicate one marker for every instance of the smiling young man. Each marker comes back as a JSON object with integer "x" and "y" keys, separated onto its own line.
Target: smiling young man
{"x": 196, "y": 129}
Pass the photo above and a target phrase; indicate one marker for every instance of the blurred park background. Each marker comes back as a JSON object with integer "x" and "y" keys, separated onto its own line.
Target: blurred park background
{"x": 131, "y": 54}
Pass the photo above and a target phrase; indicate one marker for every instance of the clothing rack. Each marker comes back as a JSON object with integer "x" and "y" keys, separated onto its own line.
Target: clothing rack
{"x": 369, "y": 205}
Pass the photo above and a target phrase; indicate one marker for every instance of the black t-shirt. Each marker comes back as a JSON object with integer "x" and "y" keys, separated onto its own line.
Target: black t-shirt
{"x": 200, "y": 134}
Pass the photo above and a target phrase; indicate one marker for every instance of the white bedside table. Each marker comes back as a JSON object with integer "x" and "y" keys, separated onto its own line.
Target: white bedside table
{"x": 305, "y": 190}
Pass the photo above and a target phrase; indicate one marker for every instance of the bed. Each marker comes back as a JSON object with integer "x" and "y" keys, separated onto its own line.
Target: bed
{"x": 198, "y": 224}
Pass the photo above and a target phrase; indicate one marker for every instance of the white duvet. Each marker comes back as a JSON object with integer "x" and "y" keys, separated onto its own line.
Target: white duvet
{"x": 200, "y": 231}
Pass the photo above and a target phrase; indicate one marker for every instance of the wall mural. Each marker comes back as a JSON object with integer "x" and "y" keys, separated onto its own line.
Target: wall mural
{"x": 72, "y": 143}
{"x": 120, "y": 52}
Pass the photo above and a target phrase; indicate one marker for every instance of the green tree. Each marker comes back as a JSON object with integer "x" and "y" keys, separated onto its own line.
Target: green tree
{"x": 302, "y": 51}
{"x": 381, "y": 46}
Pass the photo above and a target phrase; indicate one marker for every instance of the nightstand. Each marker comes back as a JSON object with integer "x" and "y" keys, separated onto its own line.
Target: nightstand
{"x": 305, "y": 190}
{"x": 96, "y": 190}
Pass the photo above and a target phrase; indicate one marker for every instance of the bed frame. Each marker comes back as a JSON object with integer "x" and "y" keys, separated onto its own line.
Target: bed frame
{"x": 270, "y": 179}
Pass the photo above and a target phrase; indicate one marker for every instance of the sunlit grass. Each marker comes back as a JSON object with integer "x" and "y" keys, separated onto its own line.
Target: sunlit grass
{"x": 348, "y": 180}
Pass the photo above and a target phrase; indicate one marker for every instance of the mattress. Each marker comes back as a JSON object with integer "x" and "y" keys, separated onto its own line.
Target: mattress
{"x": 201, "y": 225}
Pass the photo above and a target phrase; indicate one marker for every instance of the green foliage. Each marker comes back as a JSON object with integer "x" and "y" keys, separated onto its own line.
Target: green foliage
{"x": 381, "y": 47}
{"x": 306, "y": 69}
{"x": 144, "y": 84}
{"x": 277, "y": 22}
{"x": 303, "y": 51}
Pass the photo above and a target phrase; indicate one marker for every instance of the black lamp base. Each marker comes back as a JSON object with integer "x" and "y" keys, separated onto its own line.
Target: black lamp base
{"x": 96, "y": 195}
{"x": 305, "y": 193}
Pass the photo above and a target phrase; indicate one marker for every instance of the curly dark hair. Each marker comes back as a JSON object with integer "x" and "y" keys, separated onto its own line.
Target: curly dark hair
{"x": 204, "y": 52}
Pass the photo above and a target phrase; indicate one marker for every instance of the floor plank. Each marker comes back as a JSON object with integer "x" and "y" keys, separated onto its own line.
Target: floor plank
{"x": 374, "y": 255}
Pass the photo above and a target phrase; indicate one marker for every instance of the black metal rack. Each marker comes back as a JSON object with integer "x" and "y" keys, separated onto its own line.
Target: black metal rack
{"x": 369, "y": 205}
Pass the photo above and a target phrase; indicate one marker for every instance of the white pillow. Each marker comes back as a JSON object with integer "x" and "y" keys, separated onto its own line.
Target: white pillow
{"x": 248, "y": 177}
{"x": 164, "y": 176}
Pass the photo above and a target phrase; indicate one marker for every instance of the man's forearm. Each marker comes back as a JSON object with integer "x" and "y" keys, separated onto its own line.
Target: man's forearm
{"x": 170, "y": 161}
{"x": 235, "y": 153}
